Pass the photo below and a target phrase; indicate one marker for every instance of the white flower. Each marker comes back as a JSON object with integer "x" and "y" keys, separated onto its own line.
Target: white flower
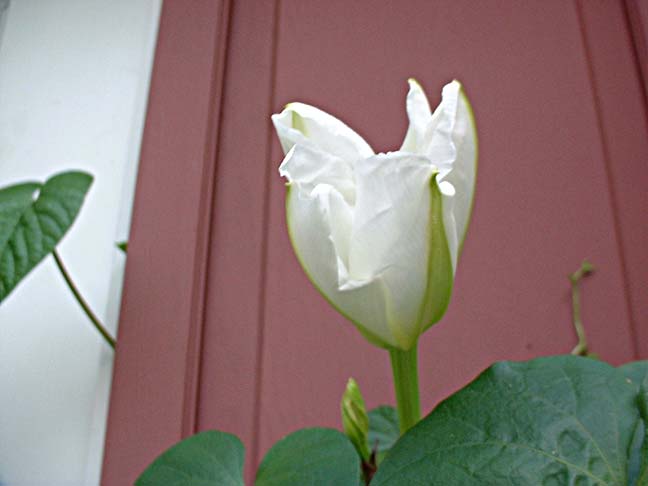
{"x": 379, "y": 235}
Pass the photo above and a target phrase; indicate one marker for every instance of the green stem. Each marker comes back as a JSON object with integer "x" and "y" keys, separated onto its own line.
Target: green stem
{"x": 405, "y": 368}
{"x": 84, "y": 305}
{"x": 581, "y": 348}
{"x": 585, "y": 269}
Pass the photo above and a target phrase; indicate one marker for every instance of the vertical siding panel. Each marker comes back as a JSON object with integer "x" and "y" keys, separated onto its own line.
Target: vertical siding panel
{"x": 154, "y": 383}
{"x": 235, "y": 289}
{"x": 618, "y": 97}
{"x": 542, "y": 201}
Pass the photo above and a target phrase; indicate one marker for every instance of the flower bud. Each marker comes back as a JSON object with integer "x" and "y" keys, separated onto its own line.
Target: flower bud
{"x": 354, "y": 418}
{"x": 379, "y": 235}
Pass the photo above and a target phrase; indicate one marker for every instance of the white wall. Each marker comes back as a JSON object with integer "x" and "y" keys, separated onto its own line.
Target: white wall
{"x": 73, "y": 86}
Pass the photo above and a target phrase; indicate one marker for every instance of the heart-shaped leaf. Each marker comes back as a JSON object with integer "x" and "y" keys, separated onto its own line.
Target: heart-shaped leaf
{"x": 561, "y": 420}
{"x": 311, "y": 457}
{"x": 637, "y": 374}
{"x": 33, "y": 219}
{"x": 209, "y": 458}
{"x": 384, "y": 430}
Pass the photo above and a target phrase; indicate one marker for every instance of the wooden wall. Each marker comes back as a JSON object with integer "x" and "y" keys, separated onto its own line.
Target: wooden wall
{"x": 220, "y": 327}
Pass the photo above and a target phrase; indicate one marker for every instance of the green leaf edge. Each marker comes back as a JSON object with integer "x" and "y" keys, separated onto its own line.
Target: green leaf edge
{"x": 270, "y": 454}
{"x": 159, "y": 461}
{"x": 82, "y": 180}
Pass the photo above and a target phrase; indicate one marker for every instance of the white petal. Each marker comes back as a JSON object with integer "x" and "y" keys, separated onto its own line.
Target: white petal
{"x": 450, "y": 141}
{"x": 448, "y": 194}
{"x": 437, "y": 142}
{"x": 309, "y": 167}
{"x": 339, "y": 215}
{"x": 319, "y": 225}
{"x": 393, "y": 230}
{"x": 464, "y": 166}
{"x": 303, "y": 124}
{"x": 419, "y": 114}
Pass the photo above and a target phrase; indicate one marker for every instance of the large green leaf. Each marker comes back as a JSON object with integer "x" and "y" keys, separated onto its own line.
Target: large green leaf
{"x": 384, "y": 430}
{"x": 209, "y": 458}
{"x": 637, "y": 374}
{"x": 311, "y": 457}
{"x": 33, "y": 219}
{"x": 561, "y": 420}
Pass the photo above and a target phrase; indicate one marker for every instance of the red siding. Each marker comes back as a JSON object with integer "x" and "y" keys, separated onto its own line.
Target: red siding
{"x": 153, "y": 402}
{"x": 220, "y": 327}
{"x": 636, "y": 13}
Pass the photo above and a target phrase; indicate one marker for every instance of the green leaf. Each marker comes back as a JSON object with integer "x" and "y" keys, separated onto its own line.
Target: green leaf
{"x": 637, "y": 374}
{"x": 209, "y": 458}
{"x": 561, "y": 420}
{"x": 311, "y": 457}
{"x": 33, "y": 219}
{"x": 384, "y": 430}
{"x": 123, "y": 246}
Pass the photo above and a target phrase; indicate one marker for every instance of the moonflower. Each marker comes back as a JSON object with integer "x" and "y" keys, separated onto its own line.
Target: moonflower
{"x": 379, "y": 235}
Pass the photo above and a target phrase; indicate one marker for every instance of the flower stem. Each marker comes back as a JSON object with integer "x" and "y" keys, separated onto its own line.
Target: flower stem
{"x": 84, "y": 305}
{"x": 405, "y": 368}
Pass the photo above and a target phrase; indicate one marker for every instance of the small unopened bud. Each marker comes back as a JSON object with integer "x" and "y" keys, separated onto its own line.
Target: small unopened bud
{"x": 354, "y": 418}
{"x": 587, "y": 267}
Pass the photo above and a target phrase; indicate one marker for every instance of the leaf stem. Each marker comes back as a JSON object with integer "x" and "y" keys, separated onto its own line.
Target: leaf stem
{"x": 84, "y": 305}
{"x": 585, "y": 269}
{"x": 405, "y": 369}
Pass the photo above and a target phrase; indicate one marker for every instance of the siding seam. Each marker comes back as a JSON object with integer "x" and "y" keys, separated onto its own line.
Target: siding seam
{"x": 639, "y": 49}
{"x": 193, "y": 369}
{"x": 614, "y": 206}
{"x": 258, "y": 388}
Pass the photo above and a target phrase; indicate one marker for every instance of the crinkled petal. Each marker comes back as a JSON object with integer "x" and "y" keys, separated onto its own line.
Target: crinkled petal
{"x": 303, "y": 124}
{"x": 419, "y": 114}
{"x": 310, "y": 167}
{"x": 464, "y": 168}
{"x": 437, "y": 142}
{"x": 319, "y": 224}
{"x": 397, "y": 226}
{"x": 450, "y": 141}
